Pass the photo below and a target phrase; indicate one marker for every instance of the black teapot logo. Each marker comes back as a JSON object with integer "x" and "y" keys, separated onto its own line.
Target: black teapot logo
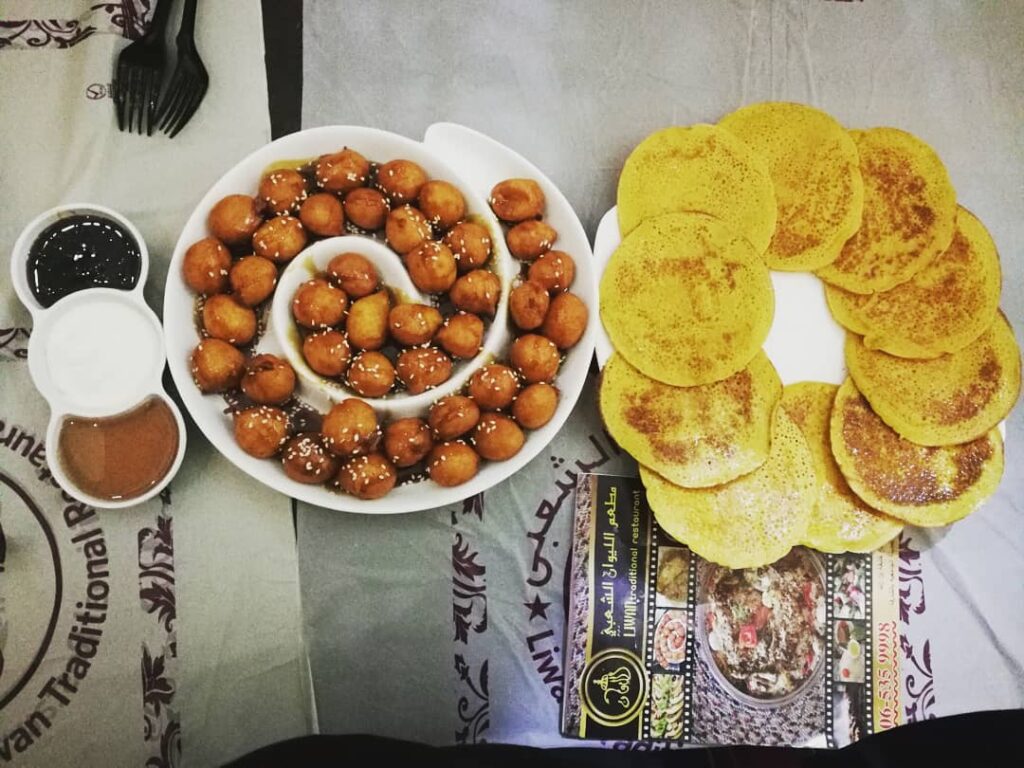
{"x": 614, "y": 687}
{"x": 615, "y": 683}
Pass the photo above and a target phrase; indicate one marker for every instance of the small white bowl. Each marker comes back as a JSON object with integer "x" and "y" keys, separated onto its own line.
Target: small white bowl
{"x": 81, "y": 392}
{"x": 314, "y": 260}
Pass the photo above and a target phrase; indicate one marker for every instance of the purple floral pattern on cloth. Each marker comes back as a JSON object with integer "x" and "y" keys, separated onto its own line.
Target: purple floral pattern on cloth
{"x": 469, "y": 615}
{"x": 128, "y": 18}
{"x": 157, "y": 596}
{"x": 14, "y": 343}
{"x": 918, "y": 678}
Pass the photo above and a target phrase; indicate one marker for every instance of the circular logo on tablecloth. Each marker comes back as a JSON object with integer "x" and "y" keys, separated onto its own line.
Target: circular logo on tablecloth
{"x": 26, "y": 626}
{"x": 614, "y": 687}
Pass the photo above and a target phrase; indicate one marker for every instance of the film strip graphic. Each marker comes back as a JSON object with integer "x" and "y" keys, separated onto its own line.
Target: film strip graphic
{"x": 685, "y": 672}
{"x": 849, "y": 648}
{"x": 652, "y": 612}
{"x": 830, "y": 630}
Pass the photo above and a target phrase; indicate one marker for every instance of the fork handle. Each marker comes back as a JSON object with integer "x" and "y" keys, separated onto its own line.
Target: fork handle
{"x": 188, "y": 20}
{"x": 160, "y": 17}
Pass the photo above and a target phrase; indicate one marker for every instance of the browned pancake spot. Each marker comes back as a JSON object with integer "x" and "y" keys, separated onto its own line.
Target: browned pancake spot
{"x": 903, "y": 472}
{"x": 966, "y": 404}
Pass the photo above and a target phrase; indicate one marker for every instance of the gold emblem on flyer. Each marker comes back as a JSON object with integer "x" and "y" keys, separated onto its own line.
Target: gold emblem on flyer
{"x": 614, "y": 686}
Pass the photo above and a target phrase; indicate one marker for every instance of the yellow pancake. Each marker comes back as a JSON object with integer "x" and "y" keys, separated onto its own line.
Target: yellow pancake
{"x": 942, "y": 308}
{"x": 950, "y": 399}
{"x": 686, "y": 300}
{"x": 755, "y": 519}
{"x": 815, "y": 167}
{"x": 841, "y": 521}
{"x": 922, "y": 485}
{"x": 908, "y": 217}
{"x": 698, "y": 168}
{"x": 693, "y": 436}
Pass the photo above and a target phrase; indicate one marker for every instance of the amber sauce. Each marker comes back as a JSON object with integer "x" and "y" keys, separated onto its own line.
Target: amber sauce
{"x": 119, "y": 457}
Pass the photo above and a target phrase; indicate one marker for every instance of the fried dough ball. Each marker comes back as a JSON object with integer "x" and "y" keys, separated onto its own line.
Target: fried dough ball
{"x": 371, "y": 374}
{"x": 423, "y": 368}
{"x": 566, "y": 320}
{"x": 407, "y": 441}
{"x": 405, "y": 229}
{"x": 350, "y": 428}
{"x": 367, "y": 323}
{"x": 471, "y": 244}
{"x": 494, "y": 386}
{"x": 528, "y": 305}
{"x": 327, "y": 353}
{"x": 453, "y": 416}
{"x": 461, "y": 335}
{"x": 282, "y": 190}
{"x": 253, "y": 279}
{"x": 341, "y": 171}
{"x": 366, "y": 208}
{"x": 268, "y": 380}
{"x": 318, "y": 304}
{"x": 529, "y": 239}
{"x": 477, "y": 292}
{"x": 555, "y": 270}
{"x": 305, "y": 459}
{"x": 431, "y": 267}
{"x": 279, "y": 239}
{"x": 535, "y": 357}
{"x": 497, "y": 437}
{"x": 535, "y": 405}
{"x": 205, "y": 266}
{"x": 451, "y": 464}
{"x": 367, "y": 477}
{"x": 261, "y": 431}
{"x": 355, "y": 274}
{"x": 234, "y": 219}
{"x": 401, "y": 180}
{"x": 517, "y": 200}
{"x": 442, "y": 204}
{"x": 216, "y": 366}
{"x": 322, "y": 214}
{"x": 227, "y": 319}
{"x": 413, "y": 324}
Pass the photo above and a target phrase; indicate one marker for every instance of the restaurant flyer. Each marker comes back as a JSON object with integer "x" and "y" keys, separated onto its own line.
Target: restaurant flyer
{"x": 664, "y": 646}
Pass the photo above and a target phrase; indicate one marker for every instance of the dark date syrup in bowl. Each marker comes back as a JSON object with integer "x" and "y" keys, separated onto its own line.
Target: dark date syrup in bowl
{"x": 82, "y": 251}
{"x": 123, "y": 456}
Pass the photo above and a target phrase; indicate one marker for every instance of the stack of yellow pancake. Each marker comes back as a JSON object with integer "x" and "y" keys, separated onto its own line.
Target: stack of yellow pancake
{"x": 737, "y": 467}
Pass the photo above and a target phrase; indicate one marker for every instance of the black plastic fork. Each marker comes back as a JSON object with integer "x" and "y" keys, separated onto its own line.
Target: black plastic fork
{"x": 189, "y": 81}
{"x": 140, "y": 73}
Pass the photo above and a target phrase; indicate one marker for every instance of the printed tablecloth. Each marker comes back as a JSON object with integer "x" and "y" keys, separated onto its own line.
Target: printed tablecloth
{"x": 165, "y": 634}
{"x": 448, "y": 625}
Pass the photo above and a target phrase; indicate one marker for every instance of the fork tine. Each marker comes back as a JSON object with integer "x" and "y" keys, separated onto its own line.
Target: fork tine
{"x": 181, "y": 114}
{"x": 198, "y": 91}
{"x": 152, "y": 94}
{"x": 128, "y": 89}
{"x": 140, "y": 100}
{"x": 181, "y": 104}
{"x": 132, "y": 97}
{"x": 169, "y": 104}
{"x": 120, "y": 86}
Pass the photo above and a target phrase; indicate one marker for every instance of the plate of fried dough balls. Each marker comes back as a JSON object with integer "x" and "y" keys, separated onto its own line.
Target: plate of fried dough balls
{"x": 373, "y": 324}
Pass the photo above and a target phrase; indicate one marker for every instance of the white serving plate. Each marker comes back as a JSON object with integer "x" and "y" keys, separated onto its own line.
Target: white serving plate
{"x": 471, "y": 161}
{"x": 805, "y": 343}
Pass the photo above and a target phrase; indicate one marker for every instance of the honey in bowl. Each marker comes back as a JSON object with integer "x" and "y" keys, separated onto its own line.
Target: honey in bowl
{"x": 119, "y": 457}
